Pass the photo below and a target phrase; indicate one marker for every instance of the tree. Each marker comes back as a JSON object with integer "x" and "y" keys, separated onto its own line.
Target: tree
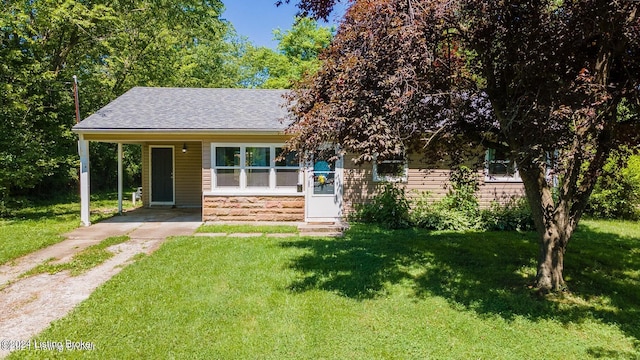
{"x": 179, "y": 43}
{"x": 557, "y": 74}
{"x": 166, "y": 43}
{"x": 617, "y": 192}
{"x": 296, "y": 55}
{"x": 111, "y": 46}
{"x": 305, "y": 40}
{"x": 36, "y": 108}
{"x": 546, "y": 80}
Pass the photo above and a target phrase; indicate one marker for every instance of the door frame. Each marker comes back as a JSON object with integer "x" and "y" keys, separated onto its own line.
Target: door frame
{"x": 338, "y": 194}
{"x": 173, "y": 175}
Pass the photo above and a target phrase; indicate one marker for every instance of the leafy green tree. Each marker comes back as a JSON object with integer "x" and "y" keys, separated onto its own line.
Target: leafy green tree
{"x": 37, "y": 40}
{"x": 617, "y": 192}
{"x": 305, "y": 40}
{"x": 537, "y": 78}
{"x": 296, "y": 55}
{"x": 167, "y": 43}
{"x": 111, "y": 47}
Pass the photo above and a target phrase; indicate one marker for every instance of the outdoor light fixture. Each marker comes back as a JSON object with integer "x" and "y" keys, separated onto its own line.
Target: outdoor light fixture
{"x": 184, "y": 148}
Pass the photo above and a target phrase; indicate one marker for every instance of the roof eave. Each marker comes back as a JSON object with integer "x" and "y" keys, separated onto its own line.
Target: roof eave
{"x": 107, "y": 131}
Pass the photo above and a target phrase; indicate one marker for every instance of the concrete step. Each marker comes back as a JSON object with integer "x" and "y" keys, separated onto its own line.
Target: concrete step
{"x": 327, "y": 227}
{"x": 322, "y": 234}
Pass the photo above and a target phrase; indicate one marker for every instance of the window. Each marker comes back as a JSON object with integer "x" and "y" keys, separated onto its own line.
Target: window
{"x": 391, "y": 170}
{"x": 498, "y": 167}
{"x": 287, "y": 169}
{"x": 324, "y": 173}
{"x": 258, "y": 166}
{"x": 227, "y": 166}
{"x": 253, "y": 167}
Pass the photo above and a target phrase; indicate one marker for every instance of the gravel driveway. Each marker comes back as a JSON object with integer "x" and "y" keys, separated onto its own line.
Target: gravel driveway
{"x": 30, "y": 304}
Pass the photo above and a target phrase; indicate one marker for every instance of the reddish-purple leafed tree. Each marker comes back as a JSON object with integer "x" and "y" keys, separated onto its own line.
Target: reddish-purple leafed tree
{"x": 548, "y": 80}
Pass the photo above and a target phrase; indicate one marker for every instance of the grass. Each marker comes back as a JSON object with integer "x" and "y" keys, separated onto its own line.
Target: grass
{"x": 82, "y": 261}
{"x": 38, "y": 225}
{"x": 248, "y": 228}
{"x": 371, "y": 294}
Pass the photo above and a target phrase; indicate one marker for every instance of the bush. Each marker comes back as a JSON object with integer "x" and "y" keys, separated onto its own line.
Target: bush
{"x": 514, "y": 215}
{"x": 458, "y": 210}
{"x": 462, "y": 196}
{"x": 389, "y": 208}
{"x": 4, "y": 211}
{"x": 439, "y": 216}
{"x": 617, "y": 192}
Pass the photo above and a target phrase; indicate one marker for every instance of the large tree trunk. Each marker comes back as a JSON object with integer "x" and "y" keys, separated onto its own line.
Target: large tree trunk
{"x": 556, "y": 217}
{"x": 553, "y": 224}
{"x": 552, "y": 246}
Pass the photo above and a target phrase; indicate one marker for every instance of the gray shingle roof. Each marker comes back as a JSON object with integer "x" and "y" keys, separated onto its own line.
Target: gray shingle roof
{"x": 190, "y": 109}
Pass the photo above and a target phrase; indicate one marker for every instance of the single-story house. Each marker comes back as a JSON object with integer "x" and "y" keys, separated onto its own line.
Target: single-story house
{"x": 218, "y": 150}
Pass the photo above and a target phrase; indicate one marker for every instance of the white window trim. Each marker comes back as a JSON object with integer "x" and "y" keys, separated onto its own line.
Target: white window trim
{"x": 243, "y": 189}
{"x": 488, "y": 178}
{"x": 389, "y": 178}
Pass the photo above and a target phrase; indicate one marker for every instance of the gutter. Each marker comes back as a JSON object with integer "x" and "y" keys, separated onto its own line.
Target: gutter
{"x": 180, "y": 131}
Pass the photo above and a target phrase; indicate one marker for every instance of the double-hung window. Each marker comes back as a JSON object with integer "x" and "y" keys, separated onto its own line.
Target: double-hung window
{"x": 498, "y": 167}
{"x": 287, "y": 169}
{"x": 253, "y": 167}
{"x": 257, "y": 166}
{"x": 227, "y": 166}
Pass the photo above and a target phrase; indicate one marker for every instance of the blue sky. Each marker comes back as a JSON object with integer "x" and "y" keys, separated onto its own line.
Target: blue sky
{"x": 256, "y": 19}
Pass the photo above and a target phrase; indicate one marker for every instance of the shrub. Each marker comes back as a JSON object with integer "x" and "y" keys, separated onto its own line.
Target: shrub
{"x": 439, "y": 216}
{"x": 513, "y": 215}
{"x": 617, "y": 192}
{"x": 458, "y": 210}
{"x": 462, "y": 196}
{"x": 4, "y": 211}
{"x": 389, "y": 208}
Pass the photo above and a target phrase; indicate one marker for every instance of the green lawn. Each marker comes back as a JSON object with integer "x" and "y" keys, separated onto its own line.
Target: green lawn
{"x": 247, "y": 228}
{"x": 39, "y": 225}
{"x": 82, "y": 261}
{"x": 372, "y": 294}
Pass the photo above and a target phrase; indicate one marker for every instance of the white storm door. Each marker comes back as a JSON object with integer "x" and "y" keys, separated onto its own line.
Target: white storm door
{"x": 324, "y": 189}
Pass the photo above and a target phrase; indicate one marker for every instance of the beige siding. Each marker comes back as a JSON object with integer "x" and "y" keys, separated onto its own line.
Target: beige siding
{"x": 187, "y": 173}
{"x": 499, "y": 191}
{"x": 188, "y": 177}
{"x": 206, "y": 166}
{"x": 360, "y": 187}
{"x": 193, "y": 178}
{"x": 246, "y": 139}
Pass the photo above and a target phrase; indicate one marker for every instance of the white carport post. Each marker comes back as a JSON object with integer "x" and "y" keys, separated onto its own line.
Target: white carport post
{"x": 120, "y": 178}
{"x": 83, "y": 151}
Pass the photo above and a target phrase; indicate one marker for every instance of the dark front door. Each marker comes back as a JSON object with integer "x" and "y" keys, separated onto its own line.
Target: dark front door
{"x": 162, "y": 175}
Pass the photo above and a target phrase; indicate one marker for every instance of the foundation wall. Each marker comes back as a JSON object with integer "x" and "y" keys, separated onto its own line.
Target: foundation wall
{"x": 253, "y": 208}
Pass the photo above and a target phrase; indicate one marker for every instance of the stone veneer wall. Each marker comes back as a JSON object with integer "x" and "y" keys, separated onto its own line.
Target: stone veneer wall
{"x": 253, "y": 208}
